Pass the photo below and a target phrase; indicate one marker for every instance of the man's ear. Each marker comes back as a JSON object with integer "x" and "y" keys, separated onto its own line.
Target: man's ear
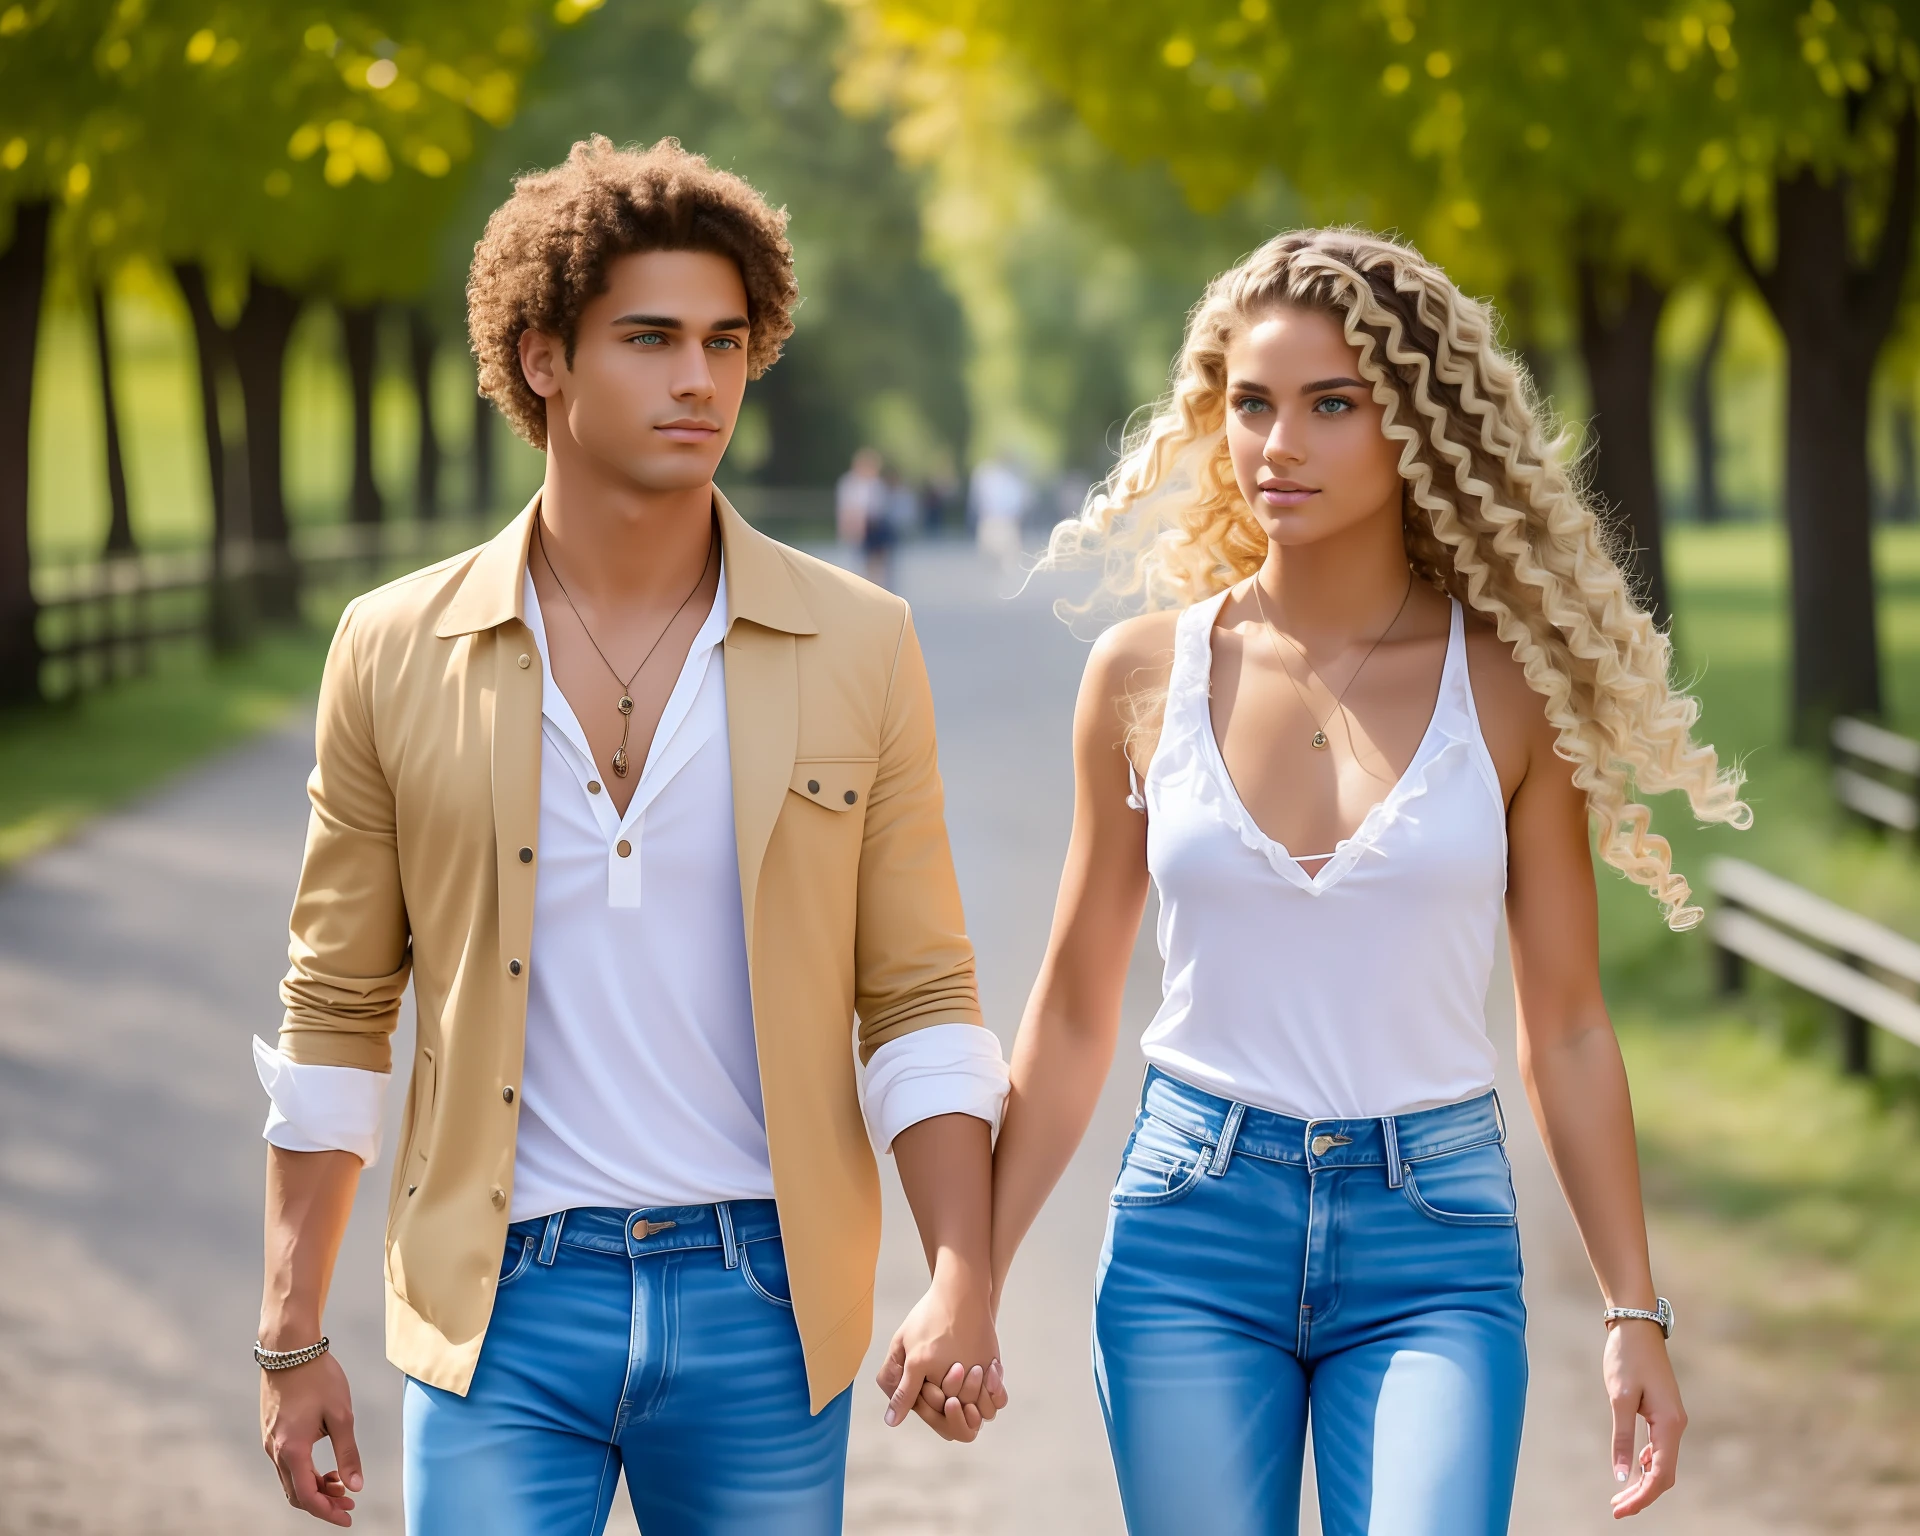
{"x": 543, "y": 359}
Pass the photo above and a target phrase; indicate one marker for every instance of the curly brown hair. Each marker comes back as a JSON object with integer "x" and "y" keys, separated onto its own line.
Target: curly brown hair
{"x": 545, "y": 253}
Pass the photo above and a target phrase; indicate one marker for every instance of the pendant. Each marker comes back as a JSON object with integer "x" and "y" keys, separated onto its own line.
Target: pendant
{"x": 626, "y": 705}
{"x": 1319, "y": 741}
{"x": 620, "y": 762}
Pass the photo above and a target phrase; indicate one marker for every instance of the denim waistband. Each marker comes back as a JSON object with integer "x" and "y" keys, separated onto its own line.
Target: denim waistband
{"x": 1390, "y": 1140}
{"x": 655, "y": 1229}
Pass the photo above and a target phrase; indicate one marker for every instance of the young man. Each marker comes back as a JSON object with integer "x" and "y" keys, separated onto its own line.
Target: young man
{"x": 647, "y": 806}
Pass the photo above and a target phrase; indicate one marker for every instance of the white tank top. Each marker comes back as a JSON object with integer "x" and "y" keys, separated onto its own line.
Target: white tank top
{"x": 1356, "y": 992}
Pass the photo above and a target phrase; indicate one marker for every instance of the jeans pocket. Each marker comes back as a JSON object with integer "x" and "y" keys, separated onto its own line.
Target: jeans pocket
{"x": 1469, "y": 1188}
{"x": 515, "y": 1259}
{"x": 1162, "y": 1164}
{"x": 763, "y": 1265}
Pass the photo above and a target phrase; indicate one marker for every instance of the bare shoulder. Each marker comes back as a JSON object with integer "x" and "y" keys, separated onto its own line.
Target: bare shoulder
{"x": 1134, "y": 655}
{"x": 1513, "y": 718}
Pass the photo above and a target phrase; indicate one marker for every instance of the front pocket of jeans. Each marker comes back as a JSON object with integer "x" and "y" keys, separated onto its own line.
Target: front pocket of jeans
{"x": 1161, "y": 1165}
{"x": 764, "y": 1267}
{"x": 1469, "y": 1188}
{"x": 513, "y": 1266}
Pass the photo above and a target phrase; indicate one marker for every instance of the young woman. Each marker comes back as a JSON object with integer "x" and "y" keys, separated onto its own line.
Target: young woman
{"x": 1388, "y": 675}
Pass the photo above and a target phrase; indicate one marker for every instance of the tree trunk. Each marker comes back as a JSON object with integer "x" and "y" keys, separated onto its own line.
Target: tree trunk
{"x": 360, "y": 327}
{"x": 23, "y": 272}
{"x": 1905, "y": 506}
{"x": 1707, "y": 505}
{"x": 484, "y": 489}
{"x": 1835, "y": 312}
{"x": 120, "y": 519}
{"x": 229, "y": 604}
{"x": 260, "y": 355}
{"x": 1619, "y": 319}
{"x": 423, "y": 346}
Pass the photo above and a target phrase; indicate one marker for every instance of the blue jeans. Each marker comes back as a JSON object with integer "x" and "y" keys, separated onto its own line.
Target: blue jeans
{"x": 1257, "y": 1266}
{"x": 672, "y": 1354}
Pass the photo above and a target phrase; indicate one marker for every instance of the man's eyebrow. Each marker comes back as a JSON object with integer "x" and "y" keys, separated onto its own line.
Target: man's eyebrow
{"x": 1321, "y": 384}
{"x": 668, "y": 323}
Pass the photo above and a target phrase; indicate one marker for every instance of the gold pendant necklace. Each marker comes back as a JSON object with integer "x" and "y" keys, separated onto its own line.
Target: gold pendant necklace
{"x": 620, "y": 762}
{"x": 1318, "y": 740}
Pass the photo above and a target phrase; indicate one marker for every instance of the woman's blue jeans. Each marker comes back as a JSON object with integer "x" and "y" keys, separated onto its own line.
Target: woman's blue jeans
{"x": 661, "y": 1341}
{"x": 1257, "y": 1267}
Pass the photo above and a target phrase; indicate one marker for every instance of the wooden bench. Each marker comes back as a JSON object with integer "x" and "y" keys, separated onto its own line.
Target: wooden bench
{"x": 1876, "y": 774}
{"x": 1820, "y": 947}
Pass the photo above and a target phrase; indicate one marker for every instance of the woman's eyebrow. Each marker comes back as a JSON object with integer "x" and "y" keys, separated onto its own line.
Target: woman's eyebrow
{"x": 1324, "y": 384}
{"x": 1247, "y": 387}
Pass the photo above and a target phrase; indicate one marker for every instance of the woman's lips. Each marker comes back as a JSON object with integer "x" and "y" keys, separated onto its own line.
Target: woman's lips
{"x": 1286, "y": 495}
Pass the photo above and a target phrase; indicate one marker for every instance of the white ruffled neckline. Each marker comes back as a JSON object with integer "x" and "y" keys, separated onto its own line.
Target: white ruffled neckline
{"x": 1450, "y": 726}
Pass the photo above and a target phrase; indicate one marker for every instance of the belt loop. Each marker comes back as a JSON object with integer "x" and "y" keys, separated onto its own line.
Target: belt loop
{"x": 1229, "y": 1133}
{"x": 550, "y": 1239}
{"x": 1499, "y": 1114}
{"x": 729, "y": 1244}
{"x": 1390, "y": 1135}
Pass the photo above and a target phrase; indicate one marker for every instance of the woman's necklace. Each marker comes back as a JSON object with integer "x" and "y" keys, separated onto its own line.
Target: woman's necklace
{"x": 626, "y": 684}
{"x": 1318, "y": 741}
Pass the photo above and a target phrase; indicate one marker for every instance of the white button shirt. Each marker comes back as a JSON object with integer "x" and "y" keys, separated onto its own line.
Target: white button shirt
{"x": 641, "y": 1082}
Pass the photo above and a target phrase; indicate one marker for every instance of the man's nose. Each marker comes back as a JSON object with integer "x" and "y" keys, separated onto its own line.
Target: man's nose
{"x": 694, "y": 381}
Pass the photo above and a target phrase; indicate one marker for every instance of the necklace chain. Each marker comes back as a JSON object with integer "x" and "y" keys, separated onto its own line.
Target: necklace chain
{"x": 1318, "y": 741}
{"x": 621, "y": 762}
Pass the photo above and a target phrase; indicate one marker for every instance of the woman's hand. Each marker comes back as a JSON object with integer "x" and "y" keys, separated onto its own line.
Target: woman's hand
{"x": 1641, "y": 1384}
{"x": 944, "y": 1362}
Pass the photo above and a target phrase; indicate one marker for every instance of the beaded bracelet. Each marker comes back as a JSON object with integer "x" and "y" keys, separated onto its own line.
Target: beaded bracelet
{"x": 287, "y": 1359}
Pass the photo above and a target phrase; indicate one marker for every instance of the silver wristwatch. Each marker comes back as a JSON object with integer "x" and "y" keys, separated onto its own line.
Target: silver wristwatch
{"x": 1662, "y": 1314}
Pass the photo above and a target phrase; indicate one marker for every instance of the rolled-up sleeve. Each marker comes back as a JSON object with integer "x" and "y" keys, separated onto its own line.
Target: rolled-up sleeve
{"x": 348, "y": 943}
{"x": 944, "y": 1069}
{"x": 321, "y": 1109}
{"x": 913, "y": 962}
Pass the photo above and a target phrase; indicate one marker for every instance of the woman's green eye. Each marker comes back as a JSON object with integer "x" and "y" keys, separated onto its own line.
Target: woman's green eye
{"x": 1339, "y": 405}
{"x": 1249, "y": 404}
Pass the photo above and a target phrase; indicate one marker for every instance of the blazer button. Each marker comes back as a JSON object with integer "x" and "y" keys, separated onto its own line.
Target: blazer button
{"x": 525, "y": 660}
{"x": 499, "y": 1198}
{"x": 623, "y": 848}
{"x": 813, "y": 786}
{"x": 526, "y": 855}
{"x": 852, "y": 795}
{"x": 593, "y": 786}
{"x": 513, "y": 967}
{"x": 507, "y": 1093}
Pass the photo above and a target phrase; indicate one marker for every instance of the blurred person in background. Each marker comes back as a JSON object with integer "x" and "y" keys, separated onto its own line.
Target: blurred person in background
{"x": 1383, "y": 626}
{"x": 998, "y": 500}
{"x": 857, "y": 498}
{"x": 617, "y": 791}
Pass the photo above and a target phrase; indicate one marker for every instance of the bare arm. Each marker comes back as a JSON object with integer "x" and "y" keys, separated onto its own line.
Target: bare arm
{"x": 1066, "y": 1041}
{"x": 309, "y": 1197}
{"x": 1577, "y": 1083}
{"x": 944, "y": 1361}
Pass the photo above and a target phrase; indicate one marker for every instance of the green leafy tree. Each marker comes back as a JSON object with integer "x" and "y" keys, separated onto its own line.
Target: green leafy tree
{"x": 270, "y": 150}
{"x": 1585, "y": 156}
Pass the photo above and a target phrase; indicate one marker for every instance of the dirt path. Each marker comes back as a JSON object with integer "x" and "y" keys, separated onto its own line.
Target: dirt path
{"x": 135, "y": 962}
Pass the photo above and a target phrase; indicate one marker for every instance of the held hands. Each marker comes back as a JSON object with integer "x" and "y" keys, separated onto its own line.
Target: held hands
{"x": 944, "y": 1361}
{"x": 1640, "y": 1383}
{"x": 297, "y": 1408}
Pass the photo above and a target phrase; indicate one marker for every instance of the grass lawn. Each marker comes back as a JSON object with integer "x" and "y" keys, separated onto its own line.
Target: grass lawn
{"x": 1799, "y": 1187}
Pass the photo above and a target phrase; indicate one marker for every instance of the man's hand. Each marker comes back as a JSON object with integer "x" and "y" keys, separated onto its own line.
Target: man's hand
{"x": 944, "y": 1362}
{"x": 299, "y": 1407}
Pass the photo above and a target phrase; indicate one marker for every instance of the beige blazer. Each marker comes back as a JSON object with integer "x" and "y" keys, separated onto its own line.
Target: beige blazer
{"x": 420, "y": 860}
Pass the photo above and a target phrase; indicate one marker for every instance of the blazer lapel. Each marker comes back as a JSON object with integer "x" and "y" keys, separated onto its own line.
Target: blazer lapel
{"x": 763, "y": 735}
{"x": 763, "y": 687}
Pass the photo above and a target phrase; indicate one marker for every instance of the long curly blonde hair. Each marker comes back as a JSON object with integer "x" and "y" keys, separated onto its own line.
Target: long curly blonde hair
{"x": 1493, "y": 514}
